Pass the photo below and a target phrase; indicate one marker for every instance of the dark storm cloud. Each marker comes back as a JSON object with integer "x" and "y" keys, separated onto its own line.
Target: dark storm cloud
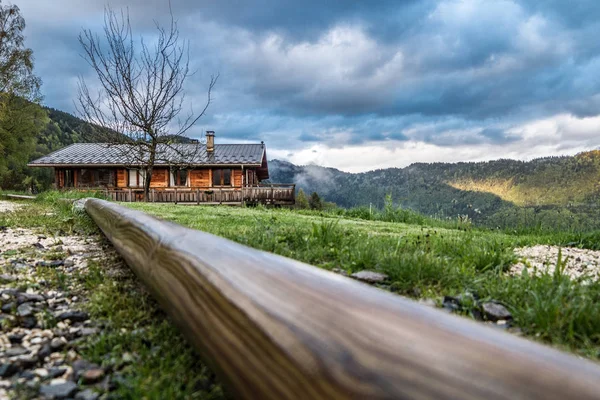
{"x": 445, "y": 72}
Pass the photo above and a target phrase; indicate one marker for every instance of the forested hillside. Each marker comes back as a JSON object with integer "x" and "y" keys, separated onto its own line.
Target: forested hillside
{"x": 490, "y": 191}
{"x": 33, "y": 131}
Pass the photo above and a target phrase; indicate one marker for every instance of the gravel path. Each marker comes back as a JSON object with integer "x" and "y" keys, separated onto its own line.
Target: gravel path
{"x": 43, "y": 319}
{"x": 580, "y": 263}
{"x": 7, "y": 206}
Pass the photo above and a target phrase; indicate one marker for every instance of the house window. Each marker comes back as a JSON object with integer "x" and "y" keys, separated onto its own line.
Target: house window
{"x": 104, "y": 177}
{"x": 221, "y": 177}
{"x": 136, "y": 177}
{"x": 86, "y": 178}
{"x": 179, "y": 177}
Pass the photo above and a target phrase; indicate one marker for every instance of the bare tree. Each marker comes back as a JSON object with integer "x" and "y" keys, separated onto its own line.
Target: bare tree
{"x": 141, "y": 98}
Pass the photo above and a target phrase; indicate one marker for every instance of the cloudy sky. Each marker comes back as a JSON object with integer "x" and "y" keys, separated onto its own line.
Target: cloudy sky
{"x": 359, "y": 85}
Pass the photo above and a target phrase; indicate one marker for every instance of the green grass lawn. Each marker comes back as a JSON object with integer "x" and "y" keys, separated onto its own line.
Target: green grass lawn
{"x": 421, "y": 261}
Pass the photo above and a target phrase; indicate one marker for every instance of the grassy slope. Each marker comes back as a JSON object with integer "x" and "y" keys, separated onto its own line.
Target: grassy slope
{"x": 422, "y": 261}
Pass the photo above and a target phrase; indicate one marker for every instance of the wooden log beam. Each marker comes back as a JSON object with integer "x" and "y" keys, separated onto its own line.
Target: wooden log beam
{"x": 275, "y": 328}
{"x": 18, "y": 196}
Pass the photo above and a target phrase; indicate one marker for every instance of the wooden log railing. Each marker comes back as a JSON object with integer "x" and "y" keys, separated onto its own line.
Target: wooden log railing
{"x": 267, "y": 194}
{"x": 18, "y": 196}
{"x": 275, "y": 328}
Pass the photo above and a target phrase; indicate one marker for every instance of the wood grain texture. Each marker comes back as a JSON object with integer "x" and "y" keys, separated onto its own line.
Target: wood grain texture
{"x": 275, "y": 328}
{"x": 236, "y": 176}
{"x": 200, "y": 178}
{"x": 122, "y": 178}
{"x": 160, "y": 178}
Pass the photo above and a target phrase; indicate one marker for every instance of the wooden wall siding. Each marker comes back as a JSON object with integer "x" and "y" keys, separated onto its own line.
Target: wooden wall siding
{"x": 252, "y": 179}
{"x": 275, "y": 328}
{"x": 75, "y": 178}
{"x": 121, "y": 178}
{"x": 200, "y": 178}
{"x": 160, "y": 178}
{"x": 59, "y": 178}
{"x": 237, "y": 177}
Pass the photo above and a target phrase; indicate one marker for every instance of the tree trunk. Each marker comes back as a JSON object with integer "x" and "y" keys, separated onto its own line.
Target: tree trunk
{"x": 149, "y": 169}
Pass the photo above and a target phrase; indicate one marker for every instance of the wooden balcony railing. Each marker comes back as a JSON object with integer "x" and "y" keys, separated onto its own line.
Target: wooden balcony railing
{"x": 278, "y": 194}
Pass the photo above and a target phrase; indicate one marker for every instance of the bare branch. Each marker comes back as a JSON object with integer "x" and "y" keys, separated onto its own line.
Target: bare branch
{"x": 141, "y": 92}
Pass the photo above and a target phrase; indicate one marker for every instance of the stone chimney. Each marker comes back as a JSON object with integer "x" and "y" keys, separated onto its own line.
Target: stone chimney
{"x": 210, "y": 141}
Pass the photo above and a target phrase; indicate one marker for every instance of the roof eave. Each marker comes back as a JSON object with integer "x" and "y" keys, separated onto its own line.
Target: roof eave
{"x": 134, "y": 165}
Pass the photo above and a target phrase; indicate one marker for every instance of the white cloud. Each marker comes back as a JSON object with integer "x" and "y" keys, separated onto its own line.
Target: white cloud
{"x": 559, "y": 135}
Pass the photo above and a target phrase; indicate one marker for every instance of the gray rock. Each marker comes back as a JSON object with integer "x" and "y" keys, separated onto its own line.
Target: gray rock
{"x": 28, "y": 322}
{"x": 88, "y": 331}
{"x": 8, "y": 369}
{"x": 87, "y": 394}
{"x": 28, "y": 361}
{"x": 369, "y": 276}
{"x": 340, "y": 271}
{"x": 92, "y": 375}
{"x": 8, "y": 307}
{"x": 27, "y": 375}
{"x": 51, "y": 264}
{"x": 16, "y": 351}
{"x": 29, "y": 297}
{"x": 11, "y": 292}
{"x": 25, "y": 310}
{"x": 44, "y": 351}
{"x": 79, "y": 366}
{"x": 451, "y": 304}
{"x": 5, "y": 278}
{"x": 16, "y": 338}
{"x": 38, "y": 246}
{"x": 56, "y": 372}
{"x": 59, "y": 391}
{"x": 495, "y": 311}
{"x": 74, "y": 316}
{"x": 57, "y": 263}
{"x": 56, "y": 344}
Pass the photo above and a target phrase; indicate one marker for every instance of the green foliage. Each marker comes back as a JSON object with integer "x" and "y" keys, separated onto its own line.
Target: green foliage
{"x": 315, "y": 201}
{"x": 16, "y": 62}
{"x": 540, "y": 195}
{"x": 301, "y": 200}
{"x": 20, "y": 121}
{"x": 30, "y": 131}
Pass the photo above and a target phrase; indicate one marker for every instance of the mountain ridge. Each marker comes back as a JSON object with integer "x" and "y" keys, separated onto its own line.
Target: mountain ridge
{"x": 477, "y": 189}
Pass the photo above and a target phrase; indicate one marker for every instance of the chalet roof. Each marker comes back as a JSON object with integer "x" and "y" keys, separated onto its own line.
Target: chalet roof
{"x": 101, "y": 154}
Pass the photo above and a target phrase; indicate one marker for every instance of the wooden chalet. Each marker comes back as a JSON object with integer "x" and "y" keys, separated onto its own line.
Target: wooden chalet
{"x": 212, "y": 173}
